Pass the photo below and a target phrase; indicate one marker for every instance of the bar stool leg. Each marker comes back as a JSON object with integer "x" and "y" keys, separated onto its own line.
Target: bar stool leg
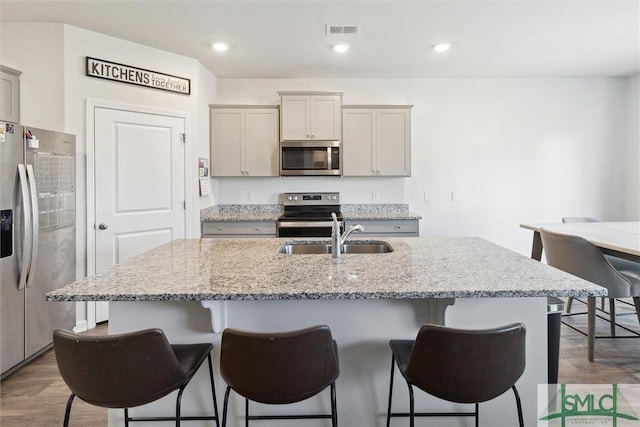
{"x": 518, "y": 405}
{"x": 636, "y": 302}
{"x": 393, "y": 362}
{"x": 213, "y": 391}
{"x": 411, "y": 407}
{"x": 334, "y": 406}
{"x": 477, "y": 415}
{"x": 569, "y": 303}
{"x": 246, "y": 412}
{"x": 126, "y": 417}
{"x": 591, "y": 327}
{"x": 225, "y": 406}
{"x": 612, "y": 316}
{"x": 67, "y": 412}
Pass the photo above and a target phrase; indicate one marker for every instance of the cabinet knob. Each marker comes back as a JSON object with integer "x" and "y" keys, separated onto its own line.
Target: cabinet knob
{"x": 220, "y": 228}
{"x": 398, "y": 227}
{"x": 257, "y": 228}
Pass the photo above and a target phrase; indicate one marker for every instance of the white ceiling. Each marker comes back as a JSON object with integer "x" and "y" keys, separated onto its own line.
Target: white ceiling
{"x": 286, "y": 39}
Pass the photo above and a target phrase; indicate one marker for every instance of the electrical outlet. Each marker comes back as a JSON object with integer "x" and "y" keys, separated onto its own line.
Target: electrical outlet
{"x": 455, "y": 196}
{"x": 427, "y": 197}
{"x": 374, "y": 195}
{"x": 250, "y": 196}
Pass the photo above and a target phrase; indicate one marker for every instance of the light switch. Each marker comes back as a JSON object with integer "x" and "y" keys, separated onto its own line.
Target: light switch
{"x": 374, "y": 195}
{"x": 427, "y": 197}
{"x": 250, "y": 196}
{"x": 455, "y": 196}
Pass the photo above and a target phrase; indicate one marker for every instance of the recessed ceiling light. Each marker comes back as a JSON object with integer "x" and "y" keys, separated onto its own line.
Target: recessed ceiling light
{"x": 220, "y": 47}
{"x": 441, "y": 47}
{"x": 341, "y": 47}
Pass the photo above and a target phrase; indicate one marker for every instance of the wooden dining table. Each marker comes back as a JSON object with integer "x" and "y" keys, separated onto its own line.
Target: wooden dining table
{"x": 617, "y": 238}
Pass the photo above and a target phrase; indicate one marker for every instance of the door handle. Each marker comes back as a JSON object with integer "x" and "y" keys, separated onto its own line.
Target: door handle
{"x": 103, "y": 226}
{"x": 35, "y": 223}
{"x": 27, "y": 247}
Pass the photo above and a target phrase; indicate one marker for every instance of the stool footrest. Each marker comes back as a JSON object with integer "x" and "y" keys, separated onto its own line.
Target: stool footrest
{"x": 148, "y": 419}
{"x": 434, "y": 414}
{"x": 288, "y": 417}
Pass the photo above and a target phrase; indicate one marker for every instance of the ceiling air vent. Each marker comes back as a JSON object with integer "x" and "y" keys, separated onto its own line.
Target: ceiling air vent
{"x": 342, "y": 30}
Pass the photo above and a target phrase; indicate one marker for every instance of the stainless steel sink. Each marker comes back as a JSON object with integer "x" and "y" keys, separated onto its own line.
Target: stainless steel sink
{"x": 352, "y": 247}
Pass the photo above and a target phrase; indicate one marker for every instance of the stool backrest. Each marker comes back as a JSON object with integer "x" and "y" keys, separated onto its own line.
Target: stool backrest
{"x": 276, "y": 368}
{"x": 467, "y": 366}
{"x": 582, "y": 258}
{"x": 118, "y": 371}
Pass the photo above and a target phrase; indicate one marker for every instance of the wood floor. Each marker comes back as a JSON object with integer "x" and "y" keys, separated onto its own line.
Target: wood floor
{"x": 36, "y": 396}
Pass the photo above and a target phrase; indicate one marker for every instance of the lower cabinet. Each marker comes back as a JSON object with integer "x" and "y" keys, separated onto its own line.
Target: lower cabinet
{"x": 386, "y": 227}
{"x": 238, "y": 229}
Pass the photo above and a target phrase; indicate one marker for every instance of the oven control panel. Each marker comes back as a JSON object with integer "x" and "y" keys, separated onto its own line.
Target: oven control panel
{"x": 297, "y": 199}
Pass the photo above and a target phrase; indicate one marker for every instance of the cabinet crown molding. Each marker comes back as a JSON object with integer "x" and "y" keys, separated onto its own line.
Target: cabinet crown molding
{"x": 389, "y": 106}
{"x": 10, "y": 70}
{"x": 310, "y": 93}
{"x": 275, "y": 106}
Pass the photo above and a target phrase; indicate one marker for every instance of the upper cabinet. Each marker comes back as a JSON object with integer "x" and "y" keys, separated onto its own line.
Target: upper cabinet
{"x": 377, "y": 140}
{"x": 9, "y": 94}
{"x": 310, "y": 116}
{"x": 244, "y": 140}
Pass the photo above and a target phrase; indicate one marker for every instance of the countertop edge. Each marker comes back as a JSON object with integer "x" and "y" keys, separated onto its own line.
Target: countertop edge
{"x": 333, "y": 296}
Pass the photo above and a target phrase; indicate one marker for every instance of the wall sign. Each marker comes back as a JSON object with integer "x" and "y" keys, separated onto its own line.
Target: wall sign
{"x": 137, "y": 76}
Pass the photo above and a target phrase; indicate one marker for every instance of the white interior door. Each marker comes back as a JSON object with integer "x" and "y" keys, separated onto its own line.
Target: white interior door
{"x": 139, "y": 185}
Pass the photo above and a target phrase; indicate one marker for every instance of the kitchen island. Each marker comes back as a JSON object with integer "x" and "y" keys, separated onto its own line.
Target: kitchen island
{"x": 365, "y": 299}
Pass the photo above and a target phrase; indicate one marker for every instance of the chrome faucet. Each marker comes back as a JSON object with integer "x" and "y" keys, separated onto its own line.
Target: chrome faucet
{"x": 336, "y": 239}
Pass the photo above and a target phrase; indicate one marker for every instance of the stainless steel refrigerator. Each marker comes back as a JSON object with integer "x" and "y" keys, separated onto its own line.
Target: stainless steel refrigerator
{"x": 37, "y": 239}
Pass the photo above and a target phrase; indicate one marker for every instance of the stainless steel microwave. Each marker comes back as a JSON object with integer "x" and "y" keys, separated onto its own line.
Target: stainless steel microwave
{"x": 310, "y": 158}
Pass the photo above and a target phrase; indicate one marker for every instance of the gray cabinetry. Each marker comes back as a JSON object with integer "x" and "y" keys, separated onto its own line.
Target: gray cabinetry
{"x": 386, "y": 227}
{"x": 244, "y": 140}
{"x": 310, "y": 116}
{"x": 377, "y": 140}
{"x": 9, "y": 94}
{"x": 238, "y": 229}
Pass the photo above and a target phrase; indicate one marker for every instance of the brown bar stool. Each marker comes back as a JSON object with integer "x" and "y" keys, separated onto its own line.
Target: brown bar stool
{"x": 460, "y": 366}
{"x": 279, "y": 368}
{"x": 129, "y": 370}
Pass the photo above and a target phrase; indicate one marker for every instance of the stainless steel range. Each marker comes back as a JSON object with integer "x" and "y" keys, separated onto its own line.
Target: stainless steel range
{"x": 309, "y": 214}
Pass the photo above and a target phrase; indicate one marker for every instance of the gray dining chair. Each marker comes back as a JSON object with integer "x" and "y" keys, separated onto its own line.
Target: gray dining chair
{"x": 623, "y": 266}
{"x": 582, "y": 258}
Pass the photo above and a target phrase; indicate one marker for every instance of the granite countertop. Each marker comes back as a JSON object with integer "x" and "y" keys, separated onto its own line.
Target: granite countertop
{"x": 241, "y": 213}
{"x": 252, "y": 269}
{"x": 268, "y": 212}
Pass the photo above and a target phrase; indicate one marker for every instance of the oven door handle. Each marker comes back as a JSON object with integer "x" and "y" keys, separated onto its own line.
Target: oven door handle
{"x": 307, "y": 224}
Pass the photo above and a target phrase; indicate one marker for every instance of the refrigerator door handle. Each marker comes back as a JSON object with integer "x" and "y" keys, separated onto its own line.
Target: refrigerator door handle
{"x": 25, "y": 260}
{"x": 35, "y": 224}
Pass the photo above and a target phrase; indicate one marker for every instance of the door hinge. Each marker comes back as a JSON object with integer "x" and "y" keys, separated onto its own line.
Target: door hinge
{"x": 184, "y": 204}
{"x": 183, "y": 137}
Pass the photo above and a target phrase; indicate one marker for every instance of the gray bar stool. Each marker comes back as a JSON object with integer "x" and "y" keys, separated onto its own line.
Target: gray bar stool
{"x": 462, "y": 366}
{"x": 582, "y": 258}
{"x": 279, "y": 368}
{"x": 128, "y": 370}
{"x": 623, "y": 266}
